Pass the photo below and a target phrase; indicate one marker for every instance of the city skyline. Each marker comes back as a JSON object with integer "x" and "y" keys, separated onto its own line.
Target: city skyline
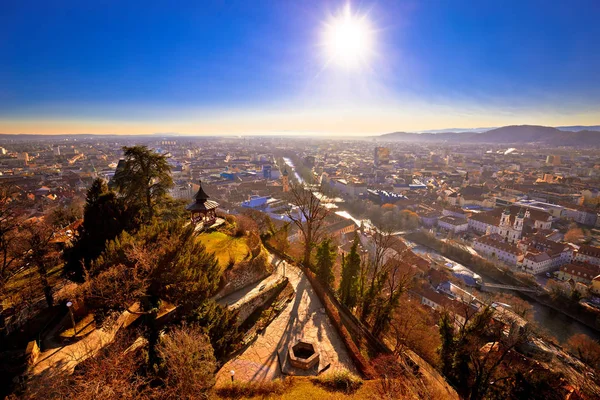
{"x": 216, "y": 69}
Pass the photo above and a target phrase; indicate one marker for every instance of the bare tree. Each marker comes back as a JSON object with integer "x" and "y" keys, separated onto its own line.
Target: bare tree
{"x": 587, "y": 349}
{"x": 474, "y": 349}
{"x": 397, "y": 277}
{"x": 9, "y": 236}
{"x": 309, "y": 216}
{"x": 41, "y": 253}
{"x": 413, "y": 327}
{"x": 380, "y": 249}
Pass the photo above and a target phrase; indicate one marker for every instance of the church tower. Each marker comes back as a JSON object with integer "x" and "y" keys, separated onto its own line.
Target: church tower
{"x": 517, "y": 231}
{"x": 518, "y": 226}
{"x": 505, "y": 227}
{"x": 285, "y": 181}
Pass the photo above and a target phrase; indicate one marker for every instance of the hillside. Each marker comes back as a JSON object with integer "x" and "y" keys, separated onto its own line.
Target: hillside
{"x": 518, "y": 134}
{"x": 505, "y": 135}
{"x": 427, "y": 137}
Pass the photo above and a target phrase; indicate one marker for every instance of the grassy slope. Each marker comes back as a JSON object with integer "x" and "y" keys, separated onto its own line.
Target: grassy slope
{"x": 225, "y": 247}
{"x": 302, "y": 389}
{"x": 28, "y": 278}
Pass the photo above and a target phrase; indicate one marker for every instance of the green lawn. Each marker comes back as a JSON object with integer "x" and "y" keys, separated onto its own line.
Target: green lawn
{"x": 225, "y": 247}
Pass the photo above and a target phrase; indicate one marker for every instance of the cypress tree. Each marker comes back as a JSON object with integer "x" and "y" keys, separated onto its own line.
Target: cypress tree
{"x": 350, "y": 269}
{"x": 325, "y": 259}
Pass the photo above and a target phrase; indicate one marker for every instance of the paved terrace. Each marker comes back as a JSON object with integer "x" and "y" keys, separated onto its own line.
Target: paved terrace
{"x": 303, "y": 317}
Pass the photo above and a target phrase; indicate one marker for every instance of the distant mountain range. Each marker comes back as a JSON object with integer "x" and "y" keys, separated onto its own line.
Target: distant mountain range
{"x": 575, "y": 128}
{"x": 560, "y": 136}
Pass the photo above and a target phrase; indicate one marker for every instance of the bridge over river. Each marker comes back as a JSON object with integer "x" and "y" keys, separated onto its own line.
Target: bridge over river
{"x": 492, "y": 287}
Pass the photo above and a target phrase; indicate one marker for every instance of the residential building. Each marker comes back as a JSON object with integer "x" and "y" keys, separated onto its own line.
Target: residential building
{"x": 494, "y": 246}
{"x": 579, "y": 272}
{"x": 453, "y": 224}
{"x": 587, "y": 253}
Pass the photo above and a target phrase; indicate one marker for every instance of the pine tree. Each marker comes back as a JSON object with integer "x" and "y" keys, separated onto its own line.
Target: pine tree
{"x": 145, "y": 178}
{"x": 105, "y": 216}
{"x": 446, "y": 349}
{"x": 220, "y": 324}
{"x": 161, "y": 262}
{"x": 350, "y": 270}
{"x": 325, "y": 259}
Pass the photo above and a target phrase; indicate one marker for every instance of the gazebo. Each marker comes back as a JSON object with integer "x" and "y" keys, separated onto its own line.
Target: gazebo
{"x": 203, "y": 210}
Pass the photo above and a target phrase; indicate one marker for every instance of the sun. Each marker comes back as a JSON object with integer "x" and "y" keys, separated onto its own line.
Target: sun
{"x": 348, "y": 40}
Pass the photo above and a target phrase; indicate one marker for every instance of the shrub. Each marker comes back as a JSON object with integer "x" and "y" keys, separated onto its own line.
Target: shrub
{"x": 230, "y": 219}
{"x": 245, "y": 225}
{"x": 340, "y": 380}
{"x": 254, "y": 243}
{"x": 388, "y": 366}
{"x": 188, "y": 363}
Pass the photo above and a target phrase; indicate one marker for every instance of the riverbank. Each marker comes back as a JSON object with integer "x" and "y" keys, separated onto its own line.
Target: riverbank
{"x": 569, "y": 313}
{"x": 572, "y": 311}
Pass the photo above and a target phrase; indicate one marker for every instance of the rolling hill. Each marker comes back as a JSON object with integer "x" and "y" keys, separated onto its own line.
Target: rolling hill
{"x": 505, "y": 135}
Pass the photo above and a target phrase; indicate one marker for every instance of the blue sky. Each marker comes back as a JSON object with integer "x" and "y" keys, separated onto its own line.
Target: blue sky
{"x": 234, "y": 67}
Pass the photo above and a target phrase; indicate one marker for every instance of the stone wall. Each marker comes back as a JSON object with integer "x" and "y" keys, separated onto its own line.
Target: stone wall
{"x": 260, "y": 299}
{"x": 245, "y": 273}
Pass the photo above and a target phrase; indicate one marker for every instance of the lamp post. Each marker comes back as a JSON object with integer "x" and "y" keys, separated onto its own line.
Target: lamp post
{"x": 70, "y": 307}
{"x": 232, "y": 373}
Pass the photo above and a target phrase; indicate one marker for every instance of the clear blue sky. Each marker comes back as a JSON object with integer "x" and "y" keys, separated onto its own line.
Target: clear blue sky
{"x": 259, "y": 66}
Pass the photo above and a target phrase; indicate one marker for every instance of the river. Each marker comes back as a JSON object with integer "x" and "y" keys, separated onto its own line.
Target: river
{"x": 290, "y": 164}
{"x": 554, "y": 322}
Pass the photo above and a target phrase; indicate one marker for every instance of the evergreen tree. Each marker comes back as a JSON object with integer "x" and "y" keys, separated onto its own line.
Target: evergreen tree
{"x": 446, "y": 349}
{"x": 325, "y": 259}
{"x": 467, "y": 367}
{"x": 105, "y": 216}
{"x": 161, "y": 262}
{"x": 350, "y": 270}
{"x": 220, "y": 324}
{"x": 144, "y": 179}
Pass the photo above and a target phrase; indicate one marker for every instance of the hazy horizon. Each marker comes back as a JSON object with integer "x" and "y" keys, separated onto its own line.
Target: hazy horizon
{"x": 333, "y": 67}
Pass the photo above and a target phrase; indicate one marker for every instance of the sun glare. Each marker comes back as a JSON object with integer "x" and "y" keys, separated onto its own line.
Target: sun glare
{"x": 348, "y": 40}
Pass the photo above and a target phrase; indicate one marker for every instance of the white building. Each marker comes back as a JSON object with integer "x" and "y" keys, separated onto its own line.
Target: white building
{"x": 494, "y": 246}
{"x": 587, "y": 253}
{"x": 185, "y": 191}
{"x": 453, "y": 224}
{"x": 352, "y": 189}
{"x": 543, "y": 255}
{"x": 511, "y": 232}
{"x": 537, "y": 263}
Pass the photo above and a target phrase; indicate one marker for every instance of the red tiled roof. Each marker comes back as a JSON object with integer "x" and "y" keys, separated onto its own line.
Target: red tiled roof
{"x": 496, "y": 241}
{"x": 584, "y": 270}
{"x": 587, "y": 250}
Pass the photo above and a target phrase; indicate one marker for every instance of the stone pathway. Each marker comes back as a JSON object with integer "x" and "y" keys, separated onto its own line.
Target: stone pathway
{"x": 67, "y": 357}
{"x": 304, "y": 317}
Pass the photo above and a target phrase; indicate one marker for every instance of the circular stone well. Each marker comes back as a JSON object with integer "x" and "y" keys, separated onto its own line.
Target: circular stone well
{"x": 303, "y": 354}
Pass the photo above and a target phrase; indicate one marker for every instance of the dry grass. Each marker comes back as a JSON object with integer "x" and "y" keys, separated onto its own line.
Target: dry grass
{"x": 297, "y": 388}
{"x": 339, "y": 381}
{"x": 24, "y": 292}
{"x": 84, "y": 326}
{"x": 226, "y": 248}
{"x": 240, "y": 390}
